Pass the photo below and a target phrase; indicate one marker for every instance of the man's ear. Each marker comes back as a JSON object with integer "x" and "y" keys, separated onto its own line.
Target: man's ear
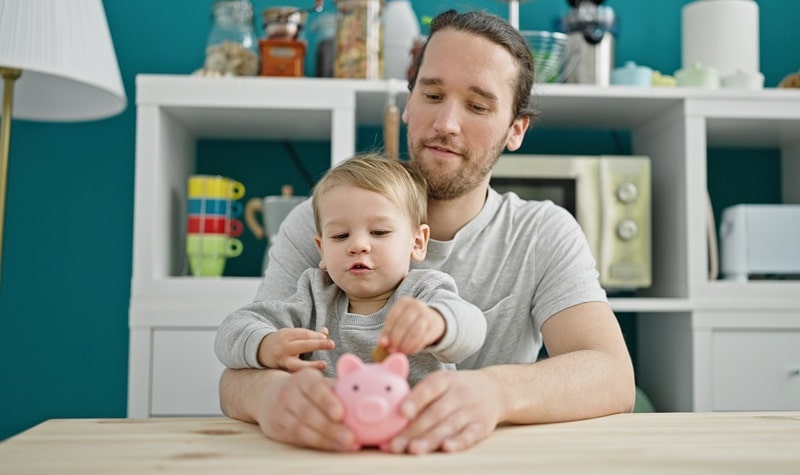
{"x": 318, "y": 242}
{"x": 420, "y": 242}
{"x": 517, "y": 133}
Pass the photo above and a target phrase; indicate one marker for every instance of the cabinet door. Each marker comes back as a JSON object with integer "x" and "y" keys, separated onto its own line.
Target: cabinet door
{"x": 756, "y": 370}
{"x": 185, "y": 373}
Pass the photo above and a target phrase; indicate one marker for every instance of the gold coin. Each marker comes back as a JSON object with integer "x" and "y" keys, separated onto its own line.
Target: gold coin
{"x": 379, "y": 354}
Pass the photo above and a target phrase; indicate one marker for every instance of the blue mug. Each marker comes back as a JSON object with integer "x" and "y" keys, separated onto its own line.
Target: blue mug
{"x": 229, "y": 208}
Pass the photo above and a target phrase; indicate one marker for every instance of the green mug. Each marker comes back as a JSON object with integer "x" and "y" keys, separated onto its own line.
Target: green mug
{"x": 207, "y": 253}
{"x": 205, "y": 266}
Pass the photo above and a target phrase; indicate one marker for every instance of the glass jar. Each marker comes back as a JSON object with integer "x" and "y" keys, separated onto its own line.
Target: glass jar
{"x": 359, "y": 39}
{"x": 231, "y": 48}
{"x": 323, "y": 33}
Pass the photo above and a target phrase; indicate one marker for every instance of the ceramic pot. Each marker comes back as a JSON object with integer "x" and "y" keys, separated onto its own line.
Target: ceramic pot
{"x": 632, "y": 75}
{"x": 698, "y": 75}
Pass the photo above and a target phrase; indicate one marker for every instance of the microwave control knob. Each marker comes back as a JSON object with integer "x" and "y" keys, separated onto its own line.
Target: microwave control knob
{"x": 627, "y": 229}
{"x": 627, "y": 192}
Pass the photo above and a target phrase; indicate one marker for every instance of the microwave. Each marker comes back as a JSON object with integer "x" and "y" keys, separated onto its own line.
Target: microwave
{"x": 610, "y": 196}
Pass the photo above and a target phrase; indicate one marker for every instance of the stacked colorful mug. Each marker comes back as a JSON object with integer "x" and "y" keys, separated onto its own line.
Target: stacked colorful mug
{"x": 213, "y": 223}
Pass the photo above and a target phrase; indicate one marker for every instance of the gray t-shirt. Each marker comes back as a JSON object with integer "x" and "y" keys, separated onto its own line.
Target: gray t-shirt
{"x": 519, "y": 261}
{"x": 318, "y": 303}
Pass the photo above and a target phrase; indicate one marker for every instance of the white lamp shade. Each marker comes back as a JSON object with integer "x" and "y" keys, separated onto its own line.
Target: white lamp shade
{"x": 64, "y": 49}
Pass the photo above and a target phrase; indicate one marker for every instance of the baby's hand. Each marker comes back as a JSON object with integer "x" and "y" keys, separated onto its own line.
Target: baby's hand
{"x": 282, "y": 349}
{"x": 411, "y": 326}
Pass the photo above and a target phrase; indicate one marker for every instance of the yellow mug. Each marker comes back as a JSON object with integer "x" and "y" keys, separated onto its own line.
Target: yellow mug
{"x": 215, "y": 186}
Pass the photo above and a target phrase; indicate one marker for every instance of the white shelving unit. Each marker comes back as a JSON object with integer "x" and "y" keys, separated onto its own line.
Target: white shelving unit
{"x": 690, "y": 328}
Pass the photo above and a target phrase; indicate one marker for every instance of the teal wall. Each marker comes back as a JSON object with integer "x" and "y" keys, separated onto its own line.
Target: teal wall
{"x": 66, "y": 267}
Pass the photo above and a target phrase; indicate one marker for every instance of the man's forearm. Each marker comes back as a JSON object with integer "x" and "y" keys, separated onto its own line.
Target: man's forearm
{"x": 244, "y": 392}
{"x": 573, "y": 386}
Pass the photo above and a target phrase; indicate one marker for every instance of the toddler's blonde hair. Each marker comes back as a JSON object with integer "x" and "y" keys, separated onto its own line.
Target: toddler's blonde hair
{"x": 396, "y": 180}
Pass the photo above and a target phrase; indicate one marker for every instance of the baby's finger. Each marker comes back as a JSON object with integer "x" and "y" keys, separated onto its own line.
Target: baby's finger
{"x": 293, "y": 364}
{"x": 398, "y": 320}
{"x": 306, "y": 334}
{"x": 298, "y": 347}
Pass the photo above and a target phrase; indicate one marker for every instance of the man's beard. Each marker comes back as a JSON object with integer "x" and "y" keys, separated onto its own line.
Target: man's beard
{"x": 445, "y": 185}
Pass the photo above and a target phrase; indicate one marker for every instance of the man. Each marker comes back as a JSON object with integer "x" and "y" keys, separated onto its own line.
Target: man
{"x": 526, "y": 265}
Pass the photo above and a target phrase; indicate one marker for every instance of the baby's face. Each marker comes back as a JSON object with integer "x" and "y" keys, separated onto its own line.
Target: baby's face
{"x": 366, "y": 242}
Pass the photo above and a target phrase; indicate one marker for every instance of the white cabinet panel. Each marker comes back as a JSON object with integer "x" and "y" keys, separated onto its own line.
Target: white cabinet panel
{"x": 185, "y": 373}
{"x": 756, "y": 370}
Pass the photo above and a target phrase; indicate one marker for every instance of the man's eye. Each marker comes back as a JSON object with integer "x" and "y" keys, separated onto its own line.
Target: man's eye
{"x": 479, "y": 108}
{"x": 433, "y": 97}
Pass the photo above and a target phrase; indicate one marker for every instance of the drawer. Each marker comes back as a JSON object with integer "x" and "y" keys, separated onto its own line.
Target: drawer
{"x": 185, "y": 373}
{"x": 756, "y": 370}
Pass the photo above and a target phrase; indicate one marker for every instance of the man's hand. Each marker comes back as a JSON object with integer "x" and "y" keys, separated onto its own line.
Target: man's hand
{"x": 282, "y": 349}
{"x": 449, "y": 411}
{"x": 303, "y": 410}
{"x": 411, "y": 325}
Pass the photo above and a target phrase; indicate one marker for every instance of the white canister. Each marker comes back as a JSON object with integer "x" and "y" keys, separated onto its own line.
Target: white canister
{"x": 400, "y": 30}
{"x": 722, "y": 34}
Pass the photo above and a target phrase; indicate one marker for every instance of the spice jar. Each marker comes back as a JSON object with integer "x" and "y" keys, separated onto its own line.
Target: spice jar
{"x": 359, "y": 39}
{"x": 231, "y": 48}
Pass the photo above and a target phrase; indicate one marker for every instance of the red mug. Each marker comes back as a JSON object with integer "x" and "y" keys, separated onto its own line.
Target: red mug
{"x": 214, "y": 225}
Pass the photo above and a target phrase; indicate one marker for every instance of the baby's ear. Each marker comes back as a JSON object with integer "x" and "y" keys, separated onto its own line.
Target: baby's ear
{"x": 420, "y": 248}
{"x": 318, "y": 242}
{"x": 349, "y": 363}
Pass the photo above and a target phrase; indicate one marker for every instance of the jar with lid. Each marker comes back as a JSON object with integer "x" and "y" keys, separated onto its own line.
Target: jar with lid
{"x": 231, "y": 48}
{"x": 359, "y": 39}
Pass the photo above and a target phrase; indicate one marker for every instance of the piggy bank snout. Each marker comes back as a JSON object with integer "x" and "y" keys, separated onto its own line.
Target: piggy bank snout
{"x": 372, "y": 409}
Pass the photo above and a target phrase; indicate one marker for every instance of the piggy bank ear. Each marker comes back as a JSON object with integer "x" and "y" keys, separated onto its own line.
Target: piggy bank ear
{"x": 397, "y": 363}
{"x": 348, "y": 363}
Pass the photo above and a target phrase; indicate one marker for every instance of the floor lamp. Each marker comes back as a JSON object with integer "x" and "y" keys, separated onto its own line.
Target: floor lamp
{"x": 59, "y": 55}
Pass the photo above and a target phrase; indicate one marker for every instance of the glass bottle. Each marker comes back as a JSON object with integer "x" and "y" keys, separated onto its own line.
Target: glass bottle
{"x": 231, "y": 48}
{"x": 400, "y": 31}
{"x": 324, "y": 31}
{"x": 359, "y": 41}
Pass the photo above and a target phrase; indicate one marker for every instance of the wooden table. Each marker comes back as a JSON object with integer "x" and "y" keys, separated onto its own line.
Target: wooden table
{"x": 751, "y": 443}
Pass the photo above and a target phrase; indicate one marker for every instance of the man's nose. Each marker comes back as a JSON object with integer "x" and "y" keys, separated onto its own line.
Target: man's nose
{"x": 447, "y": 118}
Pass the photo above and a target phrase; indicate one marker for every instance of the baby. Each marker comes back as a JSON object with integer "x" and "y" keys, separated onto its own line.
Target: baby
{"x": 370, "y": 215}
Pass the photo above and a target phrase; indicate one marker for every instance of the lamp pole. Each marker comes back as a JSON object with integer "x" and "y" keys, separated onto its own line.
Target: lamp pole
{"x": 9, "y": 76}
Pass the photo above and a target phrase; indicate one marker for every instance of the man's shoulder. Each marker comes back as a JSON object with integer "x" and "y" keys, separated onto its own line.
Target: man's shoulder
{"x": 301, "y": 216}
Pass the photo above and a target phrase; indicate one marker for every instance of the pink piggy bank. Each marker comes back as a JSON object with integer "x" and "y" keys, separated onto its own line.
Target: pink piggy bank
{"x": 371, "y": 394}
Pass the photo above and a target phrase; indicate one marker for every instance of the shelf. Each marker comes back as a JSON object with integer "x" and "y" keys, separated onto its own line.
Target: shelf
{"x": 248, "y": 108}
{"x": 176, "y": 110}
{"x": 572, "y": 105}
{"x": 193, "y": 301}
{"x": 189, "y": 301}
{"x": 755, "y": 294}
{"x": 271, "y": 108}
